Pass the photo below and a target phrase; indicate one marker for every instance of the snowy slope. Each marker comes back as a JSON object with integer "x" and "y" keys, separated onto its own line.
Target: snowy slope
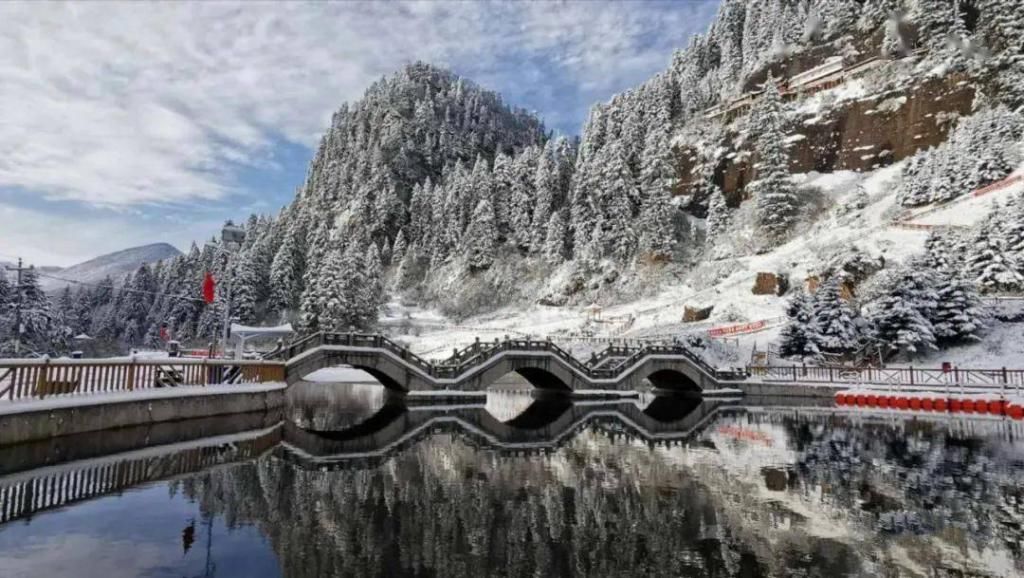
{"x": 116, "y": 265}
{"x": 970, "y": 210}
{"x": 725, "y": 282}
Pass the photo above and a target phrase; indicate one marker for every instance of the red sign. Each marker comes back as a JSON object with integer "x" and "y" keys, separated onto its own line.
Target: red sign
{"x": 734, "y": 329}
{"x": 209, "y": 286}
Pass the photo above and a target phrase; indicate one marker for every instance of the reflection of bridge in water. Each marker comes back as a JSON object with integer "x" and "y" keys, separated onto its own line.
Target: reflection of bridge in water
{"x": 45, "y": 475}
{"x": 42, "y": 476}
{"x": 545, "y": 425}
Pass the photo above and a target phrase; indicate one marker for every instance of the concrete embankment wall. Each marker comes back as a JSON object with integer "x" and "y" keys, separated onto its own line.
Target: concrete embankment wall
{"x": 36, "y": 420}
{"x": 90, "y": 445}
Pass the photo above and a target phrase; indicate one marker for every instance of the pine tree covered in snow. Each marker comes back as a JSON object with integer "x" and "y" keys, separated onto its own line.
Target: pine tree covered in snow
{"x": 37, "y": 317}
{"x": 657, "y": 230}
{"x": 398, "y": 251}
{"x": 408, "y": 271}
{"x": 333, "y": 302}
{"x": 981, "y": 150}
{"x": 481, "y": 237}
{"x": 719, "y": 215}
{"x": 545, "y": 183}
{"x": 836, "y": 322}
{"x": 1013, "y": 231}
{"x": 901, "y": 318}
{"x": 284, "y": 276}
{"x": 373, "y": 294}
{"x": 777, "y": 203}
{"x": 555, "y": 238}
{"x": 989, "y": 264}
{"x": 960, "y": 314}
{"x": 6, "y": 298}
{"x": 942, "y": 253}
{"x": 617, "y": 233}
{"x": 800, "y": 336}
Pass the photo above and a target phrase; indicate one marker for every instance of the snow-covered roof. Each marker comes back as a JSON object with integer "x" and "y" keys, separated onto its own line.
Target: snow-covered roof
{"x": 247, "y": 331}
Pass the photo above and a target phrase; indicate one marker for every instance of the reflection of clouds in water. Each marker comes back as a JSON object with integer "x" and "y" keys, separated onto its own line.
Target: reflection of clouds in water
{"x": 85, "y": 556}
{"x": 507, "y": 406}
{"x": 340, "y": 375}
{"x": 334, "y": 406}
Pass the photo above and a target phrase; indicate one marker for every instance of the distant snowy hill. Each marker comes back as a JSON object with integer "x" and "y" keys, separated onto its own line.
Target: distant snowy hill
{"x": 116, "y": 265}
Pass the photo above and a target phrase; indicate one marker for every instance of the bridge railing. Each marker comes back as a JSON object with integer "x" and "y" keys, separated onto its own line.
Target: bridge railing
{"x": 909, "y": 376}
{"x": 481, "y": 351}
{"x": 38, "y": 378}
{"x": 304, "y": 344}
{"x": 610, "y": 352}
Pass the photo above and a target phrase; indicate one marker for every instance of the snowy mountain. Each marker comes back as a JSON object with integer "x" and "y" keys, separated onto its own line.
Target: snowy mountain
{"x": 114, "y": 265}
{"x": 794, "y": 143}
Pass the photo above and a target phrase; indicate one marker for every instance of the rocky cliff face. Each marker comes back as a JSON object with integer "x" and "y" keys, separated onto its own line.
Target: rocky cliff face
{"x": 856, "y": 135}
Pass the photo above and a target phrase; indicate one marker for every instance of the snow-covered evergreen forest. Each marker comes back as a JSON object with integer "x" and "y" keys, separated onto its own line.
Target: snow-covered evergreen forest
{"x": 432, "y": 189}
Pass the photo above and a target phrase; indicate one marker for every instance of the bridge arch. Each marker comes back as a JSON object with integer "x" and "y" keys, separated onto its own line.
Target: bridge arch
{"x": 386, "y": 380}
{"x": 541, "y": 378}
{"x": 673, "y": 380}
{"x": 541, "y": 413}
{"x": 671, "y": 408}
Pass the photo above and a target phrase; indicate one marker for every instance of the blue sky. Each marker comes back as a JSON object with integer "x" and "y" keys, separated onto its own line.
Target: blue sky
{"x": 124, "y": 124}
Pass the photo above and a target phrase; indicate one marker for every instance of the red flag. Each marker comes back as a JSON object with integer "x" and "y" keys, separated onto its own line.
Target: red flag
{"x": 208, "y": 288}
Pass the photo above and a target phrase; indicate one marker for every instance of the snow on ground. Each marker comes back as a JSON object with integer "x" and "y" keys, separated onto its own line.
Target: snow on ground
{"x": 969, "y": 211}
{"x": 826, "y": 100}
{"x": 660, "y": 316}
{"x": 1002, "y": 346}
{"x": 726, "y": 283}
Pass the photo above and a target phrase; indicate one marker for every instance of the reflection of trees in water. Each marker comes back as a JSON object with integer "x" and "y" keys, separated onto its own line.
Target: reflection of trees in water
{"x": 325, "y": 406}
{"x": 915, "y": 479}
{"x": 852, "y": 499}
{"x": 592, "y": 509}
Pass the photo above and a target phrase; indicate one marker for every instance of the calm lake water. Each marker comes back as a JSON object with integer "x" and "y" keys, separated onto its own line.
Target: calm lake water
{"x": 353, "y": 483}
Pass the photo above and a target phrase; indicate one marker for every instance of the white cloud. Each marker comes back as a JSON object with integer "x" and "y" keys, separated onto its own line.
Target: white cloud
{"x": 86, "y": 557}
{"x": 132, "y": 104}
{"x": 51, "y": 238}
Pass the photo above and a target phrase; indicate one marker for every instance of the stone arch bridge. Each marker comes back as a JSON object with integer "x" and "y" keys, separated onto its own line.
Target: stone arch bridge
{"x": 542, "y": 363}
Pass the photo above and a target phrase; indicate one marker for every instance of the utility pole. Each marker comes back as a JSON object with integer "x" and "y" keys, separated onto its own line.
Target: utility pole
{"x": 232, "y": 237}
{"x": 18, "y": 329}
{"x": 227, "y": 314}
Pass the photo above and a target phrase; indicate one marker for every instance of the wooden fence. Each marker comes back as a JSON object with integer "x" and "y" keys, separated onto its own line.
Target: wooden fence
{"x": 39, "y": 378}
